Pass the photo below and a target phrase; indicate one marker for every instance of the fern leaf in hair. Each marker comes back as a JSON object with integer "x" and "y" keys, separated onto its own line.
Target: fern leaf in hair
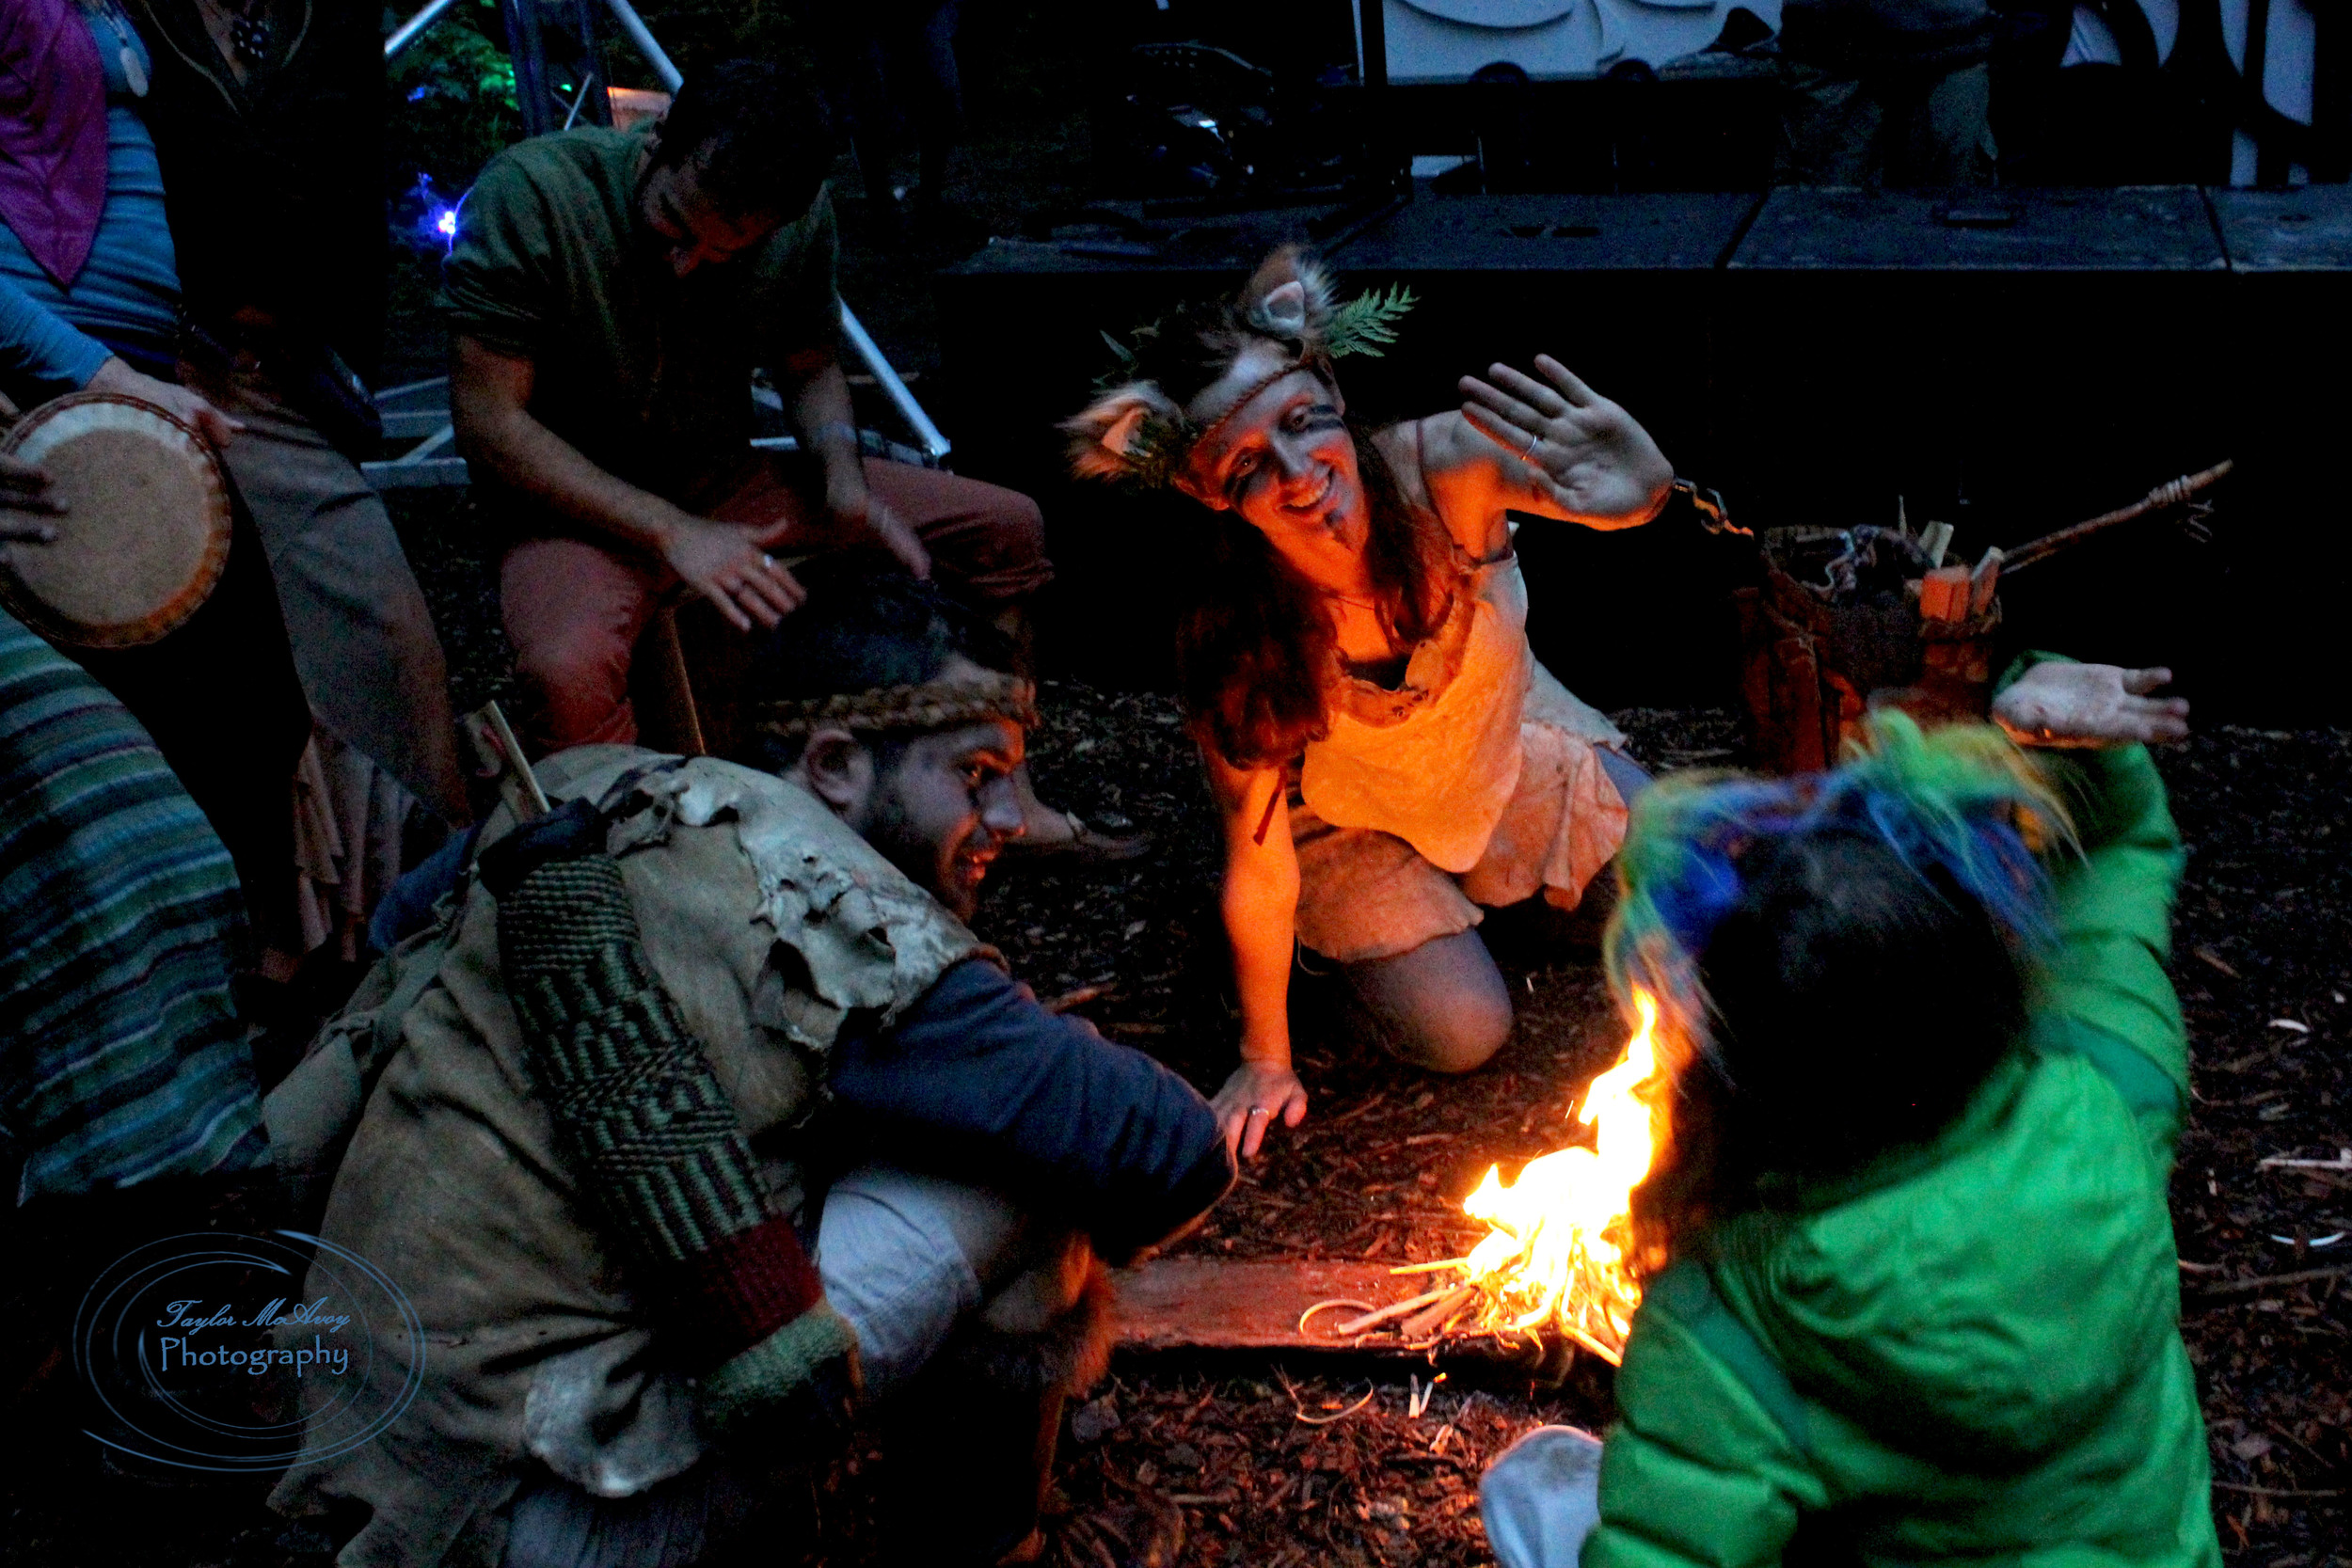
{"x": 1367, "y": 323}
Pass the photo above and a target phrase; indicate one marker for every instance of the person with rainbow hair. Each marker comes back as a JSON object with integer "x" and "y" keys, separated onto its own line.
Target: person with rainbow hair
{"x": 1910, "y": 1285}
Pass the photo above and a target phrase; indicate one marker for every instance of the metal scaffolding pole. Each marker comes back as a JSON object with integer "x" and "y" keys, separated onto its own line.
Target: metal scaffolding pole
{"x": 406, "y": 32}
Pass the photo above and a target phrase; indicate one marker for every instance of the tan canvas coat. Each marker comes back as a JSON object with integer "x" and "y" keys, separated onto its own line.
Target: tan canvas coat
{"x": 769, "y": 923}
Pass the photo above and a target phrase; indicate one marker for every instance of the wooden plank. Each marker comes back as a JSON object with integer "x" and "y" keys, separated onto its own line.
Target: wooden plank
{"x": 1210, "y": 1304}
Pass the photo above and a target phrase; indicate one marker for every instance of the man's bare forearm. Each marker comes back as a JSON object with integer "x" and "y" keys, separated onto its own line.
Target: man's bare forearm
{"x": 827, "y": 420}
{"x": 489, "y": 395}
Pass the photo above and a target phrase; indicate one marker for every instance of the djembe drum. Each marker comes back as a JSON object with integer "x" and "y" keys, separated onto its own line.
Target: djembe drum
{"x": 144, "y": 537}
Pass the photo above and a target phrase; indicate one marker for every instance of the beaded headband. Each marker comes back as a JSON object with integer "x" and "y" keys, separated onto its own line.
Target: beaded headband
{"x": 930, "y": 705}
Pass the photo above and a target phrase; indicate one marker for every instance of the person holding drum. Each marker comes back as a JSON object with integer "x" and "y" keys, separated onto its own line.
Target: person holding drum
{"x": 90, "y": 304}
{"x": 1390, "y": 758}
{"x": 262, "y": 115}
{"x": 135, "y": 593}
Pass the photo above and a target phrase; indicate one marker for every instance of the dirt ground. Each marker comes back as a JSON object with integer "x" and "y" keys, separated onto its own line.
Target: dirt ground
{"x": 1204, "y": 1463}
{"x": 2264, "y": 960}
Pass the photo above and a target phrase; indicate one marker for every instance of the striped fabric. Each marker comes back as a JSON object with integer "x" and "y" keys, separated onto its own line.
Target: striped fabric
{"x": 121, "y": 1059}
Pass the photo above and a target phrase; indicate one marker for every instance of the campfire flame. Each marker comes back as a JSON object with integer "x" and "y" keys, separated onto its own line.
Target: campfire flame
{"x": 1555, "y": 1257}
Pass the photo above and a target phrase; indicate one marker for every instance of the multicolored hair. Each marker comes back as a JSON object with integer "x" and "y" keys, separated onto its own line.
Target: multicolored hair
{"x": 1961, "y": 801}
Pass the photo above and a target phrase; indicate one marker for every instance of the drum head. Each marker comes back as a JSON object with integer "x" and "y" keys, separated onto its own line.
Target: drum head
{"x": 145, "y": 534}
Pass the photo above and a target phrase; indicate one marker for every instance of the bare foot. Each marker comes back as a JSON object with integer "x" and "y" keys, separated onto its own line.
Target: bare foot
{"x": 1049, "y": 830}
{"x": 1044, "y": 826}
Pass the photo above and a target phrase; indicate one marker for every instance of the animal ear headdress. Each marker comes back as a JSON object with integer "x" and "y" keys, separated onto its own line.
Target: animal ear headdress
{"x": 1134, "y": 430}
{"x": 1961, "y": 801}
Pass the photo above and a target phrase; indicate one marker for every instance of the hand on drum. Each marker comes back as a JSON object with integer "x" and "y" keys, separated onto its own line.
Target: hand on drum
{"x": 2090, "y": 705}
{"x": 178, "y": 402}
{"x": 726, "y": 563}
{"x": 24, "y": 488}
{"x": 1590, "y": 456}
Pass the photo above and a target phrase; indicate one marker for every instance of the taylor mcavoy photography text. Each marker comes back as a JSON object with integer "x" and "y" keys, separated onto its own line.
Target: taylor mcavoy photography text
{"x": 335, "y": 1359}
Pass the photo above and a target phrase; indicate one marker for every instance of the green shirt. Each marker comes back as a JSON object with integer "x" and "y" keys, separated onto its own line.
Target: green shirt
{"x": 648, "y": 374}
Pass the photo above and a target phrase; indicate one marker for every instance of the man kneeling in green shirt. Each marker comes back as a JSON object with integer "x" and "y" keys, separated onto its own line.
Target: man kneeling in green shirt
{"x": 1910, "y": 1293}
{"x": 608, "y": 296}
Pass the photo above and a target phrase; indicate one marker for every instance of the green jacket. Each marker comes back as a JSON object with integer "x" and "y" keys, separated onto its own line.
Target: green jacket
{"x": 1970, "y": 1353}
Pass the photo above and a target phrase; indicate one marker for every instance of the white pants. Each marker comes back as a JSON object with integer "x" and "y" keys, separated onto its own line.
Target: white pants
{"x": 905, "y": 1258}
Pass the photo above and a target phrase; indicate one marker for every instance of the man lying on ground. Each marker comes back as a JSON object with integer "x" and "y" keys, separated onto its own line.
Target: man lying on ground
{"x": 608, "y": 297}
{"x": 1910, "y": 1293}
{"x": 750, "y": 982}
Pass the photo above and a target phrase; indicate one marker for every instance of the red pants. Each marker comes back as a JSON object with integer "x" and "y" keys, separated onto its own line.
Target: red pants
{"x": 574, "y": 609}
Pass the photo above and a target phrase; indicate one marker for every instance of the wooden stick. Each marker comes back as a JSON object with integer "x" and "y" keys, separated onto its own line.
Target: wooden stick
{"x": 494, "y": 739}
{"x": 2157, "y": 500}
{"x": 1390, "y": 1313}
{"x": 1083, "y": 995}
{"x": 1344, "y": 1301}
{"x": 2276, "y": 1491}
{"x": 1614, "y": 1358}
{"x": 2301, "y": 1276}
{"x": 1430, "y": 1319}
{"x": 661, "y": 645}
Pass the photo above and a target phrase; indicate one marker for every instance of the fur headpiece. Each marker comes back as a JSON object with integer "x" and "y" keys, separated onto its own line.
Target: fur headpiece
{"x": 1134, "y": 430}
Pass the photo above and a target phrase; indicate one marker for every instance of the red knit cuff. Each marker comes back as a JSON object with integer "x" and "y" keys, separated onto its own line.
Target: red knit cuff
{"x": 742, "y": 1289}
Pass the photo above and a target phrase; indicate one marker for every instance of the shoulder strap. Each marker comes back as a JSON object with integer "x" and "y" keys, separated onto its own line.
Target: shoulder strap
{"x": 1687, "y": 1293}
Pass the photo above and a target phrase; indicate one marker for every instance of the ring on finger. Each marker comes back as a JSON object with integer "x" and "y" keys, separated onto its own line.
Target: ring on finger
{"x": 1259, "y": 1111}
{"x": 768, "y": 562}
{"x": 1532, "y": 442}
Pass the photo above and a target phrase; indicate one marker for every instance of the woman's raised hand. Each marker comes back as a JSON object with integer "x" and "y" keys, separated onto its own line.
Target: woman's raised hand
{"x": 1592, "y": 458}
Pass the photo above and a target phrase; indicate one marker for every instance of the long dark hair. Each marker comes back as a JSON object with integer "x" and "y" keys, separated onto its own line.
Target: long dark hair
{"x": 1255, "y": 641}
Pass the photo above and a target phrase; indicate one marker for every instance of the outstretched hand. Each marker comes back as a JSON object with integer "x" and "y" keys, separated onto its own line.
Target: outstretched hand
{"x": 2090, "y": 705}
{"x": 1258, "y": 1095}
{"x": 1593, "y": 459}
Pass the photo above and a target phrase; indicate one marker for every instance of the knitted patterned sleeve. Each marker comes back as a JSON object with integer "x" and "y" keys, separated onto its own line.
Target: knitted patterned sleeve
{"x": 650, "y": 1132}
